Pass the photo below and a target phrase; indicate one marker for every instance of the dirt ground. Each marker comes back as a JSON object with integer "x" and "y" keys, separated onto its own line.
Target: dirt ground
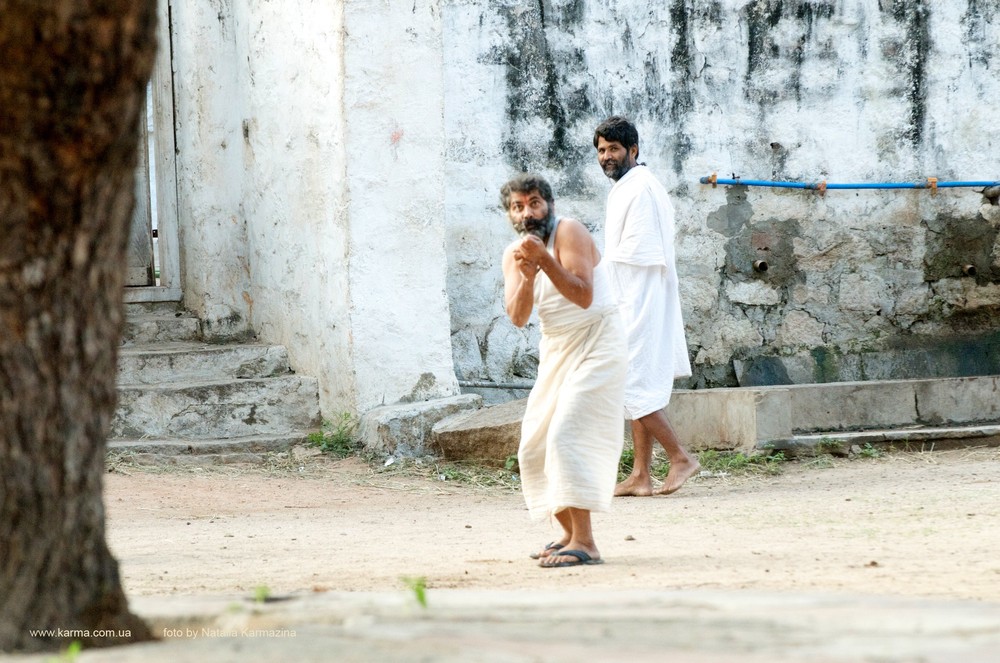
{"x": 917, "y": 524}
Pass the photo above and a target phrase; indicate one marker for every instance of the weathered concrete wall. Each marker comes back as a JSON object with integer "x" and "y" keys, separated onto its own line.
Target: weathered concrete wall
{"x": 861, "y": 285}
{"x": 304, "y": 215}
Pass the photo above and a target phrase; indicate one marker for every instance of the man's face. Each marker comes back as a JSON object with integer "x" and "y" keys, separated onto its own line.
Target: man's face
{"x": 530, "y": 214}
{"x": 615, "y": 160}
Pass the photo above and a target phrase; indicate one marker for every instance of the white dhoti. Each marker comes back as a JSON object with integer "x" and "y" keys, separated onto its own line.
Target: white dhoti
{"x": 571, "y": 435}
{"x": 657, "y": 351}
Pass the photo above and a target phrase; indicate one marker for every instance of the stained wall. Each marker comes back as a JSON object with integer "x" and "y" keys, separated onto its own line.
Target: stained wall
{"x": 862, "y": 284}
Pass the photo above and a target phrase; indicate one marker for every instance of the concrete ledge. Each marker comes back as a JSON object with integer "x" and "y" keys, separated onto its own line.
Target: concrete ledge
{"x": 958, "y": 400}
{"x": 955, "y": 411}
{"x": 404, "y": 429}
{"x": 731, "y": 419}
{"x": 905, "y": 439}
{"x": 749, "y": 418}
{"x": 204, "y": 451}
{"x": 161, "y": 328}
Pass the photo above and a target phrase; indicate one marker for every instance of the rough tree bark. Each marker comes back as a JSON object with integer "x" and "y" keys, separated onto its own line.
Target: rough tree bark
{"x": 73, "y": 75}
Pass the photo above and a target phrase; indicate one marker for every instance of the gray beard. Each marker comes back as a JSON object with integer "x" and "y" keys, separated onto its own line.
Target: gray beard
{"x": 539, "y": 229}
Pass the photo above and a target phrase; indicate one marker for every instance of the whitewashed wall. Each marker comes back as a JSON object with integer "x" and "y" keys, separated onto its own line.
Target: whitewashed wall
{"x": 862, "y": 284}
{"x": 338, "y": 166}
{"x": 305, "y": 216}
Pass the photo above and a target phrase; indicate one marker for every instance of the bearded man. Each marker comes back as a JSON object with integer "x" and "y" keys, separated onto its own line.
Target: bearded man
{"x": 571, "y": 434}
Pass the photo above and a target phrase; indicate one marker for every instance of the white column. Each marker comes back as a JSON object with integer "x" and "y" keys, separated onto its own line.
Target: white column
{"x": 394, "y": 137}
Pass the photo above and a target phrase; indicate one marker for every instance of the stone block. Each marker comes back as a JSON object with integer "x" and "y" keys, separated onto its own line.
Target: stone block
{"x": 774, "y": 413}
{"x": 217, "y": 409}
{"x": 167, "y": 362}
{"x": 713, "y": 418}
{"x": 489, "y": 435}
{"x": 404, "y": 429}
{"x": 253, "y": 449}
{"x": 161, "y": 328}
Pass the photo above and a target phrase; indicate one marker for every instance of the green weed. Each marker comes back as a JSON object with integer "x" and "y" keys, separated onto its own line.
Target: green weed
{"x": 337, "y": 437}
{"x": 418, "y": 585}
{"x": 734, "y": 462}
{"x": 479, "y": 475}
{"x": 67, "y": 655}
{"x": 868, "y": 451}
{"x": 715, "y": 462}
{"x": 658, "y": 468}
{"x": 828, "y": 445}
{"x": 822, "y": 462}
{"x": 261, "y": 593}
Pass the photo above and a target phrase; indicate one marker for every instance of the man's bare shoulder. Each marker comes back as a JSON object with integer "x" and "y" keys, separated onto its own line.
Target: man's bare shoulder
{"x": 575, "y": 226}
{"x": 574, "y": 231}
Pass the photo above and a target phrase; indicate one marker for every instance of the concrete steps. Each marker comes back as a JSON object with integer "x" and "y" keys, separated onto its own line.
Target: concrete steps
{"x": 910, "y": 438}
{"x": 217, "y": 408}
{"x": 246, "y": 449}
{"x": 155, "y": 363}
{"x": 181, "y": 400}
{"x": 156, "y": 325}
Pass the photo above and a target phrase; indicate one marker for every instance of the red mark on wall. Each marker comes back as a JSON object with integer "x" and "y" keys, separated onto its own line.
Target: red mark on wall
{"x": 396, "y": 136}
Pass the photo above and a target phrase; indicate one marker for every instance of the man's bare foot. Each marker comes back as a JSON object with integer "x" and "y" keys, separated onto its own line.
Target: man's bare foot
{"x": 634, "y": 487}
{"x": 678, "y": 474}
{"x": 547, "y": 550}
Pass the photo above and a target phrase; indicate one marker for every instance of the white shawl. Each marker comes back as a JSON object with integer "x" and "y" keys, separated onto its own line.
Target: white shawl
{"x": 639, "y": 236}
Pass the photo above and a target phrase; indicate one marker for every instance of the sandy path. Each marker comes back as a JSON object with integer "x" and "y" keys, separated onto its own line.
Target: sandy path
{"x": 906, "y": 524}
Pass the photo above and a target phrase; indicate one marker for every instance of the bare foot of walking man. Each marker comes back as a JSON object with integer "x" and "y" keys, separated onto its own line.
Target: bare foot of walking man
{"x": 683, "y": 465}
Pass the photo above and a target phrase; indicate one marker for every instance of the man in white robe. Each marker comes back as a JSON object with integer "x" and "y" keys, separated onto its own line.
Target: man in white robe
{"x": 639, "y": 249}
{"x": 571, "y": 434}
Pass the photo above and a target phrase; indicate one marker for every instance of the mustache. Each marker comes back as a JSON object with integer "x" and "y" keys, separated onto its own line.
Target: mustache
{"x": 614, "y": 169}
{"x": 540, "y": 228}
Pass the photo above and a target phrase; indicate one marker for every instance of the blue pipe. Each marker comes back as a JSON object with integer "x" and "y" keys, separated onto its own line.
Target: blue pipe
{"x": 822, "y": 186}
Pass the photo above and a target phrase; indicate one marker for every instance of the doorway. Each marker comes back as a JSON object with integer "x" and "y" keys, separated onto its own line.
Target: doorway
{"x": 153, "y": 259}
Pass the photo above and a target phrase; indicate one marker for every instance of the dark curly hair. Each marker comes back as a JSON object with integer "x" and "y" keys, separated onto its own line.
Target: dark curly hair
{"x": 616, "y": 129}
{"x": 526, "y": 183}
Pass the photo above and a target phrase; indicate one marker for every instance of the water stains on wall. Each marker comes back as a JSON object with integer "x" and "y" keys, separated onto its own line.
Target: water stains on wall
{"x": 767, "y": 50}
{"x": 910, "y": 58}
{"x": 955, "y": 244}
{"x": 538, "y": 87}
{"x": 979, "y": 30}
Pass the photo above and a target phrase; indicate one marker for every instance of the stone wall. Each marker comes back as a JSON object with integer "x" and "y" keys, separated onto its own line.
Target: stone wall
{"x": 862, "y": 284}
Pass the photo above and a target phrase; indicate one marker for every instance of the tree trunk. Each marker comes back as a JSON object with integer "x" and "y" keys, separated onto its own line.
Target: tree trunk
{"x": 73, "y": 77}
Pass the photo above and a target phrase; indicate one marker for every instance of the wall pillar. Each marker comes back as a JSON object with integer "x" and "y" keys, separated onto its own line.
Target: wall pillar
{"x": 395, "y": 164}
